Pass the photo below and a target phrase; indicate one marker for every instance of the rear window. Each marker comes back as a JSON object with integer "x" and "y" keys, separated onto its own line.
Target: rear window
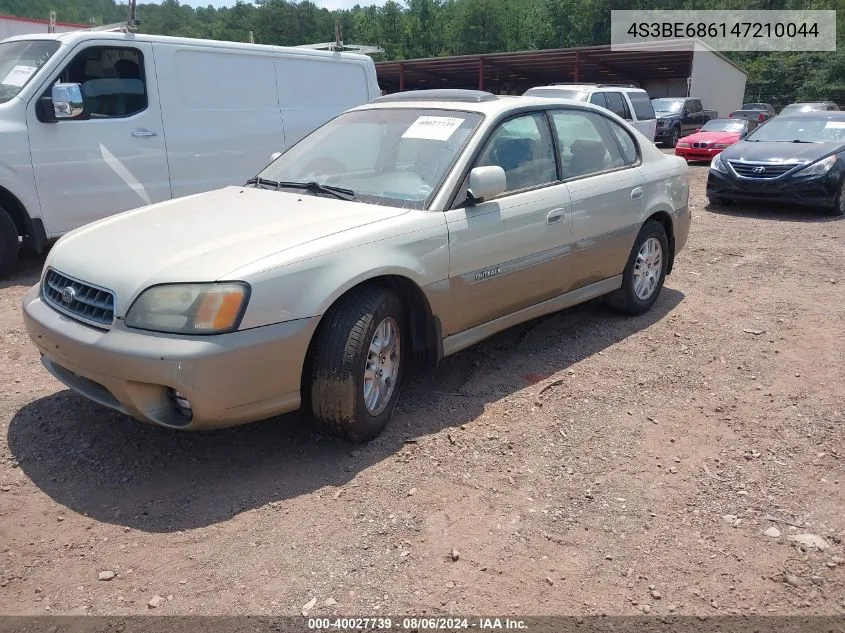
{"x": 642, "y": 106}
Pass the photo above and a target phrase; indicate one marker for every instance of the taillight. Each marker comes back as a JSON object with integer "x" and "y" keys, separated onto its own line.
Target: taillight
{"x": 761, "y": 117}
{"x": 730, "y": 116}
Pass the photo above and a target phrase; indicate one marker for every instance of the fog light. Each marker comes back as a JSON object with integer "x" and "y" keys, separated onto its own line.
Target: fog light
{"x": 181, "y": 403}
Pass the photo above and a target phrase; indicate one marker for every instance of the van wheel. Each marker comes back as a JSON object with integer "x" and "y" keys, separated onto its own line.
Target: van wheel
{"x": 645, "y": 271}
{"x": 9, "y": 242}
{"x": 357, "y": 366}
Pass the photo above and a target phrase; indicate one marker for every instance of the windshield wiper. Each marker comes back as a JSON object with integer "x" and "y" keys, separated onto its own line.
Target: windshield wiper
{"x": 316, "y": 187}
{"x": 263, "y": 183}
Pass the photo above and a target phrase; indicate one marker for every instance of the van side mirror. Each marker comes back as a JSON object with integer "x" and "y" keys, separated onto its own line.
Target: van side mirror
{"x": 274, "y": 156}
{"x": 67, "y": 101}
{"x": 485, "y": 183}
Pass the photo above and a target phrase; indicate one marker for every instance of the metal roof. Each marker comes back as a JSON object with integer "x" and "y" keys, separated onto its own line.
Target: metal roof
{"x": 524, "y": 69}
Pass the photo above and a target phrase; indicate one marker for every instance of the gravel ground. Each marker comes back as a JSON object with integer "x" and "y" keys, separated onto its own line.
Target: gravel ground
{"x": 670, "y": 470}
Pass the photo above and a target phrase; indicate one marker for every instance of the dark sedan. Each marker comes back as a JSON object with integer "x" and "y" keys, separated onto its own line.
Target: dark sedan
{"x": 797, "y": 159}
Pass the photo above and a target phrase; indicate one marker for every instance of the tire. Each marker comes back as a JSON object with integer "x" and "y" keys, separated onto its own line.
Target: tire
{"x": 9, "y": 242}
{"x": 627, "y": 299}
{"x": 674, "y": 137}
{"x": 341, "y": 398}
{"x": 838, "y": 208}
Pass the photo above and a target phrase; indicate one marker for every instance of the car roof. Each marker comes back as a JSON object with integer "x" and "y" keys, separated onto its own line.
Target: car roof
{"x": 834, "y": 115}
{"x": 588, "y": 87}
{"x": 470, "y": 101}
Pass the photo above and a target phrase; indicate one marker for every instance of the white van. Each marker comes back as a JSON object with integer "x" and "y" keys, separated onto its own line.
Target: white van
{"x": 93, "y": 123}
{"x": 629, "y": 102}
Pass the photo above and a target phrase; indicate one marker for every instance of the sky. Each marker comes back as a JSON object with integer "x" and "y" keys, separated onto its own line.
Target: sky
{"x": 328, "y": 4}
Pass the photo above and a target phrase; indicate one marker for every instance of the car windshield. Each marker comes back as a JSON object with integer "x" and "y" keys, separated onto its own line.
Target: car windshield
{"x": 800, "y": 129}
{"x": 802, "y": 107}
{"x": 723, "y": 125}
{"x": 19, "y": 63}
{"x": 391, "y": 156}
{"x": 667, "y": 105}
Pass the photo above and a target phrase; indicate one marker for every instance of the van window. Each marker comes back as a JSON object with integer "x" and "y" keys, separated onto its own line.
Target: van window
{"x": 642, "y": 105}
{"x": 616, "y": 104}
{"x": 112, "y": 79}
{"x": 586, "y": 142}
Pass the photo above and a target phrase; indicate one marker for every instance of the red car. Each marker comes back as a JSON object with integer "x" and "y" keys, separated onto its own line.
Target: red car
{"x": 712, "y": 138}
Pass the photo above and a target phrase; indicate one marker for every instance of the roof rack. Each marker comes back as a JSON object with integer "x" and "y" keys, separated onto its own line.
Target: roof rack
{"x": 597, "y": 85}
{"x": 439, "y": 94}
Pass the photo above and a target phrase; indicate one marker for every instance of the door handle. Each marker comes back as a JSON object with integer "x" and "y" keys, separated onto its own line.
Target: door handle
{"x": 142, "y": 132}
{"x": 554, "y": 216}
{"x": 636, "y": 193}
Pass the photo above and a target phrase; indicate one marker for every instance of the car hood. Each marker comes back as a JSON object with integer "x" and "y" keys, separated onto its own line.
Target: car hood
{"x": 201, "y": 237}
{"x": 712, "y": 137}
{"x": 769, "y": 152}
{"x": 667, "y": 115}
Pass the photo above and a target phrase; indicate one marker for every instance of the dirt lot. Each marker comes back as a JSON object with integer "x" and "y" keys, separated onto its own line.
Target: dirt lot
{"x": 643, "y": 482}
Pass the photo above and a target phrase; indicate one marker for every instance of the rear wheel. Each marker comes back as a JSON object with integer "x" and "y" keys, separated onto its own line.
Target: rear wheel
{"x": 645, "y": 271}
{"x": 9, "y": 242}
{"x": 357, "y": 365}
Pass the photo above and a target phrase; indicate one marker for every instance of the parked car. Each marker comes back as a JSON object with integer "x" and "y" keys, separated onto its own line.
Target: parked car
{"x": 794, "y": 158}
{"x": 758, "y": 116}
{"x": 814, "y": 106}
{"x": 768, "y": 108}
{"x": 405, "y": 229}
{"x": 628, "y": 102}
{"x": 93, "y": 123}
{"x": 713, "y": 137}
{"x": 677, "y": 117}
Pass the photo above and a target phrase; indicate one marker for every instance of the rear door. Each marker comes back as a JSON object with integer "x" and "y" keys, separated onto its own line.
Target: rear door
{"x": 511, "y": 252}
{"x": 601, "y": 165}
{"x": 112, "y": 157}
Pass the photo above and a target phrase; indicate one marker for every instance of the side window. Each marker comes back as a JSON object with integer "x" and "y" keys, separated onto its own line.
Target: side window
{"x": 523, "y": 147}
{"x": 694, "y": 106}
{"x": 626, "y": 142}
{"x": 598, "y": 99}
{"x": 616, "y": 104}
{"x": 112, "y": 80}
{"x": 642, "y": 106}
{"x": 586, "y": 142}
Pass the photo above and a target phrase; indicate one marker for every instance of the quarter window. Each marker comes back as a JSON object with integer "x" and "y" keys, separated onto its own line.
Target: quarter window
{"x": 523, "y": 147}
{"x": 642, "y": 106}
{"x": 112, "y": 80}
{"x": 587, "y": 143}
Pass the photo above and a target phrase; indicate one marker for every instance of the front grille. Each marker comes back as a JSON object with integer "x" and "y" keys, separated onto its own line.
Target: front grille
{"x": 701, "y": 144}
{"x": 760, "y": 170}
{"x": 78, "y": 299}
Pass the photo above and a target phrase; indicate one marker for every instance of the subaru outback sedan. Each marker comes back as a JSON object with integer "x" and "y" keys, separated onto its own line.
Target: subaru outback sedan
{"x": 401, "y": 231}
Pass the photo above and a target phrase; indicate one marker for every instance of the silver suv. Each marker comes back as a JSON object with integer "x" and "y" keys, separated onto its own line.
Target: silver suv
{"x": 403, "y": 230}
{"x": 626, "y": 101}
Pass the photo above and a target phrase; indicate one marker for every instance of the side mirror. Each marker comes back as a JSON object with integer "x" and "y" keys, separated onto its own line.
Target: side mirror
{"x": 274, "y": 156}
{"x": 686, "y": 113}
{"x": 67, "y": 101}
{"x": 485, "y": 183}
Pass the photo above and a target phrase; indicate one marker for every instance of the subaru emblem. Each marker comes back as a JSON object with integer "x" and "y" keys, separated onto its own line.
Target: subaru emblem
{"x": 68, "y": 295}
{"x": 758, "y": 170}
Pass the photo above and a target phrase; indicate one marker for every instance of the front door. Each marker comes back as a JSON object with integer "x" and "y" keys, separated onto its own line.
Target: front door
{"x": 510, "y": 252}
{"x": 112, "y": 157}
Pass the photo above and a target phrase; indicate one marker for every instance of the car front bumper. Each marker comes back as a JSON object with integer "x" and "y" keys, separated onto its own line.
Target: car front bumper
{"x": 815, "y": 191}
{"x": 228, "y": 379}
{"x": 697, "y": 153}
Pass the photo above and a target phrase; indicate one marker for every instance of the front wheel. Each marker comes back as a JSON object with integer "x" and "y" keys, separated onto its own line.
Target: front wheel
{"x": 645, "y": 271}
{"x": 9, "y": 242}
{"x": 357, "y": 365}
{"x": 674, "y": 135}
{"x": 839, "y": 202}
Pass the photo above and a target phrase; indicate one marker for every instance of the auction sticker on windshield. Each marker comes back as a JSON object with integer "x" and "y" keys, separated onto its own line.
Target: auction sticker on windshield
{"x": 18, "y": 76}
{"x": 433, "y": 128}
{"x": 835, "y": 124}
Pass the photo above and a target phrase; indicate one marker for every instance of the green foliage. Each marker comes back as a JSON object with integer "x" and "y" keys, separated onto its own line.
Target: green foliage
{"x": 430, "y": 28}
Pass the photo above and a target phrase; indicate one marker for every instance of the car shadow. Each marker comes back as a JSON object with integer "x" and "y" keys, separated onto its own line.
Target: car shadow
{"x": 772, "y": 211}
{"x": 26, "y": 271}
{"x": 106, "y": 466}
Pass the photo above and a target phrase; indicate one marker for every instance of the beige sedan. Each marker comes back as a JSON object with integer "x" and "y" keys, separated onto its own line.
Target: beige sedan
{"x": 402, "y": 231}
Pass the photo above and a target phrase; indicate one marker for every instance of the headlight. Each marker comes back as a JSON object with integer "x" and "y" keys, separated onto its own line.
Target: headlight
{"x": 211, "y": 308}
{"x": 718, "y": 164}
{"x": 682, "y": 144}
{"x": 819, "y": 167}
